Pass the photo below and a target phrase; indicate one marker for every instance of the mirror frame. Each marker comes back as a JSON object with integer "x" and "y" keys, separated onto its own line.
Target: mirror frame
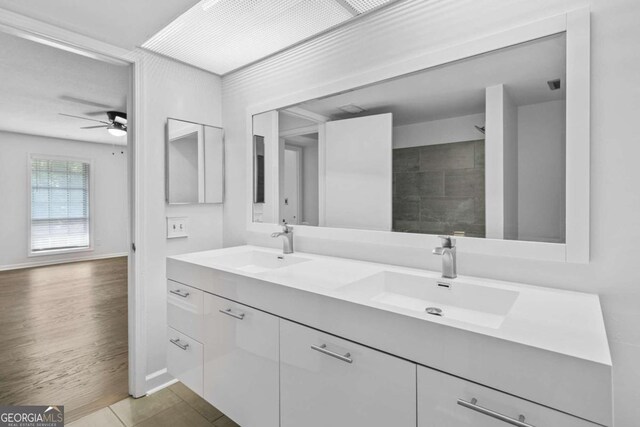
{"x": 576, "y": 25}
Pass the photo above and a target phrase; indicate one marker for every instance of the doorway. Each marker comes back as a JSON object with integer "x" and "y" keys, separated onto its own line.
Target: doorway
{"x": 64, "y": 262}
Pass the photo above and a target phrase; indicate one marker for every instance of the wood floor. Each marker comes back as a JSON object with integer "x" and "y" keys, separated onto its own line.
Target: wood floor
{"x": 63, "y": 336}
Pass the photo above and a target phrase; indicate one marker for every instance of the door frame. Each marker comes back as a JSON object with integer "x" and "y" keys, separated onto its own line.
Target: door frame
{"x": 51, "y": 35}
{"x": 299, "y": 158}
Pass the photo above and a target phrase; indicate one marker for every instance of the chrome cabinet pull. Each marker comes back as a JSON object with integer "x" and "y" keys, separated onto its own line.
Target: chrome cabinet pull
{"x": 176, "y": 341}
{"x": 493, "y": 414}
{"x": 179, "y": 293}
{"x": 228, "y": 312}
{"x": 323, "y": 349}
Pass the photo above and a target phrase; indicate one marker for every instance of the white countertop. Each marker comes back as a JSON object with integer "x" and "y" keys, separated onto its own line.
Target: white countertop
{"x": 565, "y": 322}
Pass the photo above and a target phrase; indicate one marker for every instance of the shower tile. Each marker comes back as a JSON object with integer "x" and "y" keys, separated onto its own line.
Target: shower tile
{"x": 479, "y": 154}
{"x": 406, "y": 209}
{"x": 449, "y": 210}
{"x": 419, "y": 184}
{"x": 406, "y": 159}
{"x": 464, "y": 182}
{"x": 460, "y": 155}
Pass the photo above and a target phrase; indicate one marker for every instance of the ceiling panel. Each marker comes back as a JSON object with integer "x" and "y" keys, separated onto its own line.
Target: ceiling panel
{"x": 223, "y": 35}
{"x": 365, "y": 5}
{"x": 123, "y": 23}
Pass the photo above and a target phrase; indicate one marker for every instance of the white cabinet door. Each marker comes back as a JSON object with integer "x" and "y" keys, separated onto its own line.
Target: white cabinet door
{"x": 328, "y": 381}
{"x": 448, "y": 401}
{"x": 184, "y": 359}
{"x": 184, "y": 309}
{"x": 241, "y": 362}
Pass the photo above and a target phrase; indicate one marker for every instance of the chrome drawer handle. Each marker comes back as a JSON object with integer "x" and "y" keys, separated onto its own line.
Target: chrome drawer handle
{"x": 228, "y": 312}
{"x": 323, "y": 349}
{"x": 179, "y": 293}
{"x": 493, "y": 414}
{"x": 176, "y": 341}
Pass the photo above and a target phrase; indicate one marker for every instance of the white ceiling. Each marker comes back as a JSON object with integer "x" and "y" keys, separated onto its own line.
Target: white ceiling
{"x": 37, "y": 82}
{"x": 288, "y": 122}
{"x": 123, "y": 23}
{"x": 223, "y": 35}
{"x": 458, "y": 89}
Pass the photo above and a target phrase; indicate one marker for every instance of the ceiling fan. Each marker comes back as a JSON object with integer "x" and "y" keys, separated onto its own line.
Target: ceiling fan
{"x": 116, "y": 124}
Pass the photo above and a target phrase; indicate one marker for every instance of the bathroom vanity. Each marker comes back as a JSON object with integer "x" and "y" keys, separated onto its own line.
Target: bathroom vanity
{"x": 309, "y": 340}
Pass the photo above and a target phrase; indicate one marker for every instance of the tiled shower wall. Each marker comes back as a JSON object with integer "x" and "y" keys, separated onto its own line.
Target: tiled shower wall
{"x": 439, "y": 189}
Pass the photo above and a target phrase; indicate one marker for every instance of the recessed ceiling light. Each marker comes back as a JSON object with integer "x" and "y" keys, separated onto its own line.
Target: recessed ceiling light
{"x": 352, "y": 109}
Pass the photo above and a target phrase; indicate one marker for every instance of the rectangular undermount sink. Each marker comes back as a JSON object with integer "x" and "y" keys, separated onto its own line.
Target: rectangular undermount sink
{"x": 256, "y": 261}
{"x": 470, "y": 303}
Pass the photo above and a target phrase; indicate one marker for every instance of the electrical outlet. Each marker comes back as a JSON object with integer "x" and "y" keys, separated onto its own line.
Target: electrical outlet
{"x": 176, "y": 227}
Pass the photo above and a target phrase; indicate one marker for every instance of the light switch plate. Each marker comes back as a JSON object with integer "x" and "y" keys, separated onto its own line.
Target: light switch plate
{"x": 176, "y": 227}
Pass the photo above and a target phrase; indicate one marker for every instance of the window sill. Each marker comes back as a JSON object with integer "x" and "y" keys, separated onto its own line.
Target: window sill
{"x": 59, "y": 251}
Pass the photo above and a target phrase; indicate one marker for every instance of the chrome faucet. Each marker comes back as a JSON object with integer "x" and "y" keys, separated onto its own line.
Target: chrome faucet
{"x": 448, "y": 253}
{"x": 287, "y": 242}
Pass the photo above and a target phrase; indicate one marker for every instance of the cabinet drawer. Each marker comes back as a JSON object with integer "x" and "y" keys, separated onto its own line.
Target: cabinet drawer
{"x": 448, "y": 401}
{"x": 241, "y": 361}
{"x": 184, "y": 359}
{"x": 328, "y": 381}
{"x": 184, "y": 309}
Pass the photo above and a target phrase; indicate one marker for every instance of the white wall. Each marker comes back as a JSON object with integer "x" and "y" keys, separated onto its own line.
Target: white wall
{"x": 310, "y": 201}
{"x": 510, "y": 167}
{"x": 171, "y": 90}
{"x": 410, "y": 28}
{"x": 494, "y": 148}
{"x": 109, "y": 210}
{"x": 455, "y": 129}
{"x": 541, "y": 171}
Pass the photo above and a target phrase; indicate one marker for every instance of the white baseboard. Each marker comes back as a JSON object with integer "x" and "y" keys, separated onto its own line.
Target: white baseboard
{"x": 158, "y": 380}
{"x": 43, "y": 262}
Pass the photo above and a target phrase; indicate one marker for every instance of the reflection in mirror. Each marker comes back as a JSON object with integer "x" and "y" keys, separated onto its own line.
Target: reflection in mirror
{"x": 194, "y": 163}
{"x": 474, "y": 148}
{"x": 182, "y": 161}
{"x": 258, "y": 169}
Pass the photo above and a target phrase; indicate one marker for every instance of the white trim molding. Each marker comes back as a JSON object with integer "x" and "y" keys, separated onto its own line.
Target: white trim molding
{"x": 158, "y": 380}
{"x": 44, "y": 262}
{"x": 576, "y": 25}
{"x": 51, "y": 35}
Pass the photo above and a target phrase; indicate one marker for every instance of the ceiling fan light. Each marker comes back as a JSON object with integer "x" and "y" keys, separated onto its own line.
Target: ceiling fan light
{"x": 116, "y": 131}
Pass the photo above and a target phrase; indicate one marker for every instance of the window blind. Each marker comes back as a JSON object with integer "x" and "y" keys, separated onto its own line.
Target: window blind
{"x": 59, "y": 204}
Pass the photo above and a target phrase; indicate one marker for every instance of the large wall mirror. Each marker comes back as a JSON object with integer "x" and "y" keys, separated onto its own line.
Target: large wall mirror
{"x": 194, "y": 163}
{"x": 473, "y": 148}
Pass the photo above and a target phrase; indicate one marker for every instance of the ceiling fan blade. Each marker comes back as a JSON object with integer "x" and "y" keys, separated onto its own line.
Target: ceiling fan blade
{"x": 96, "y": 113}
{"x": 94, "y": 127}
{"x": 85, "y": 102}
{"x": 84, "y": 118}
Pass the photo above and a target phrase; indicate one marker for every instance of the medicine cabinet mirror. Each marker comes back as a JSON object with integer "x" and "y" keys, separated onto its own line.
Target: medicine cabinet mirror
{"x": 194, "y": 163}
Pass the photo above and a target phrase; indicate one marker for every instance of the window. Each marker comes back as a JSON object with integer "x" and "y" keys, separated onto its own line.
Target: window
{"x": 59, "y": 205}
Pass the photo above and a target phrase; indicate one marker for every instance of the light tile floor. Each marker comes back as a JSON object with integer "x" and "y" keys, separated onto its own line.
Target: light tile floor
{"x": 174, "y": 406}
